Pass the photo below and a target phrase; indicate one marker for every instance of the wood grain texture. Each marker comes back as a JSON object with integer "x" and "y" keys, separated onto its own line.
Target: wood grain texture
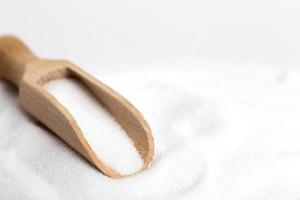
{"x": 29, "y": 73}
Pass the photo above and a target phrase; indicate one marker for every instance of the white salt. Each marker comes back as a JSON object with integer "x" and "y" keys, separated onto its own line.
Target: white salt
{"x": 106, "y": 137}
{"x": 220, "y": 132}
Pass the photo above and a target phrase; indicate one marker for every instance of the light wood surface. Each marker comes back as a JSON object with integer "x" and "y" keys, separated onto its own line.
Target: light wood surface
{"x": 29, "y": 73}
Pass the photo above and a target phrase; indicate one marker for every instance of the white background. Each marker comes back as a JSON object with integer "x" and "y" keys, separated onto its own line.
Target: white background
{"x": 99, "y": 34}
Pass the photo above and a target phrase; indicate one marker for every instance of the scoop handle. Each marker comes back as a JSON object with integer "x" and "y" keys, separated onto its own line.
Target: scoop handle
{"x": 14, "y": 55}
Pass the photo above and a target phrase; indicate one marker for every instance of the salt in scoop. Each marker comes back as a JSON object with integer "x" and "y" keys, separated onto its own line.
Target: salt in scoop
{"x": 30, "y": 73}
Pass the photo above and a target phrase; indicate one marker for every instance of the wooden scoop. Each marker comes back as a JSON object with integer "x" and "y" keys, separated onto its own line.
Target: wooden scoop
{"x": 29, "y": 73}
